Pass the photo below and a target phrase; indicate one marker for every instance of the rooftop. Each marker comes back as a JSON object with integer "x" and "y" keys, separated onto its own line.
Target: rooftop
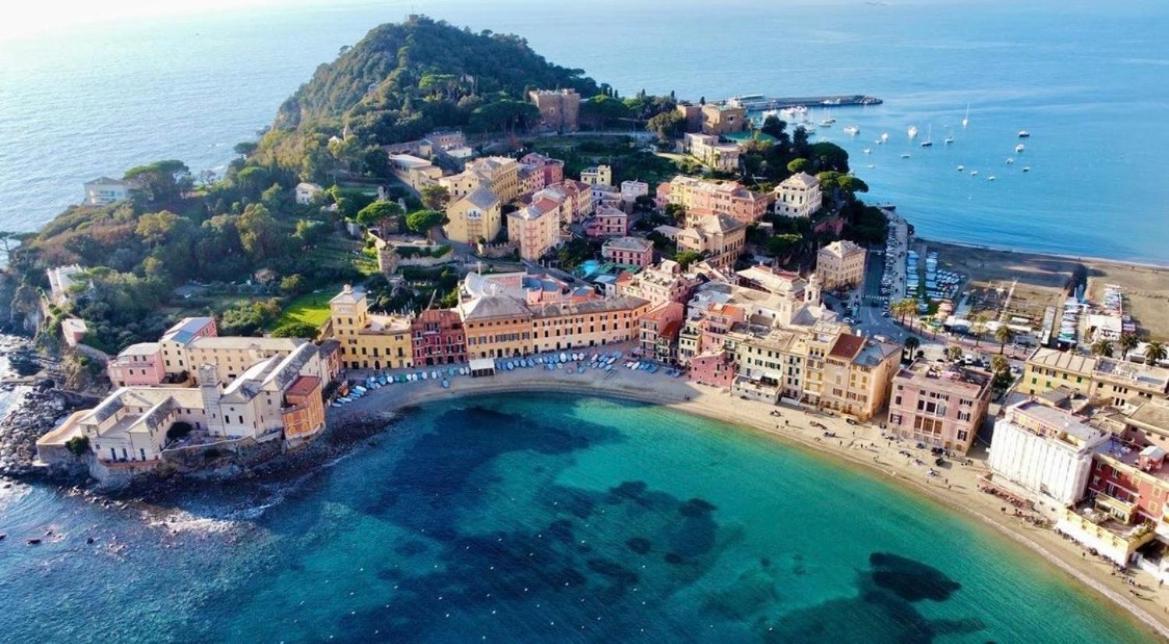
{"x": 1062, "y": 360}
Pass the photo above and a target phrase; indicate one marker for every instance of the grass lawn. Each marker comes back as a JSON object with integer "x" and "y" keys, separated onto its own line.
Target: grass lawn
{"x": 311, "y": 308}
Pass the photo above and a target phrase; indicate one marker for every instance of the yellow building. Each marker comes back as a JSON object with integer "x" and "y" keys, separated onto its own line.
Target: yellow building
{"x": 601, "y": 175}
{"x": 498, "y": 174}
{"x": 591, "y": 323}
{"x": 718, "y": 237}
{"x": 1049, "y": 369}
{"x": 369, "y": 340}
{"x": 841, "y": 265}
{"x": 496, "y": 326}
{"x": 475, "y": 216}
{"x": 233, "y": 355}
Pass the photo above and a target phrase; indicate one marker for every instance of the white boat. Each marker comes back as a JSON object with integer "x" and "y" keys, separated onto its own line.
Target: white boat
{"x": 929, "y": 138}
{"x": 884, "y": 137}
{"x": 966, "y": 119}
{"x": 991, "y": 178}
{"x": 1019, "y": 148}
{"x": 905, "y": 156}
{"x": 826, "y": 123}
{"x": 961, "y": 168}
{"x": 912, "y": 131}
{"x": 974, "y": 173}
{"x": 1026, "y": 168}
{"x": 1024, "y": 134}
{"x": 949, "y": 140}
{"x": 1010, "y": 161}
{"x": 868, "y": 150}
{"x": 852, "y": 130}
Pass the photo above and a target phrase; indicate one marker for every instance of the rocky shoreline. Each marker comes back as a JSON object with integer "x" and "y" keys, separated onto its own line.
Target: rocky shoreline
{"x": 35, "y": 412}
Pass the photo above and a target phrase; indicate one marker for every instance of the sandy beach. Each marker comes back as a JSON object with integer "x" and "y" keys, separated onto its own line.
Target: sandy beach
{"x": 955, "y": 486}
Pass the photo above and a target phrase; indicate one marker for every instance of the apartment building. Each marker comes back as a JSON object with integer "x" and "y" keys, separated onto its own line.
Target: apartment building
{"x": 941, "y": 406}
{"x": 369, "y": 340}
{"x": 704, "y": 198}
{"x": 841, "y": 265}
{"x": 798, "y": 196}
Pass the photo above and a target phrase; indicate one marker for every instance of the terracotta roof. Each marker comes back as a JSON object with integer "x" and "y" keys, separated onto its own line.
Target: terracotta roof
{"x": 847, "y": 346}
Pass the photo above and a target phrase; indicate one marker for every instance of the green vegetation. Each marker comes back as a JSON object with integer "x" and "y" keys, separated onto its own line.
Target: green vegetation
{"x": 630, "y": 162}
{"x": 78, "y": 446}
{"x": 310, "y": 309}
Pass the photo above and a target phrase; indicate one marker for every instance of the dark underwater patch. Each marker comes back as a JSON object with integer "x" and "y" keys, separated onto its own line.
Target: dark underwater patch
{"x": 640, "y": 545}
{"x": 911, "y": 580}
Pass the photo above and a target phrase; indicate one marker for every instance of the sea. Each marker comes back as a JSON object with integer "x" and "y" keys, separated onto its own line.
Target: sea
{"x": 1088, "y": 80}
{"x": 541, "y": 518}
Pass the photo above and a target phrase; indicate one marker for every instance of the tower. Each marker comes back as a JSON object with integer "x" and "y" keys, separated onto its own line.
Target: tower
{"x": 208, "y": 378}
{"x": 812, "y": 293}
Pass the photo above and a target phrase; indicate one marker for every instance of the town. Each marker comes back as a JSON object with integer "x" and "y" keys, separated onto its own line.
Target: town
{"x": 692, "y": 278}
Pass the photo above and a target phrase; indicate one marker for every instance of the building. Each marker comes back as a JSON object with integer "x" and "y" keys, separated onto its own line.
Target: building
{"x": 104, "y": 191}
{"x": 63, "y": 281}
{"x": 631, "y": 251}
{"x": 658, "y": 338}
{"x": 233, "y": 355}
{"x": 369, "y": 340}
{"x": 552, "y": 170}
{"x": 714, "y": 369}
{"x": 498, "y": 174}
{"x": 175, "y": 341}
{"x": 574, "y": 198}
{"x": 438, "y": 338}
{"x": 720, "y": 157}
{"x": 496, "y": 326}
{"x": 306, "y": 193}
{"x": 798, "y": 196}
{"x": 599, "y": 175}
{"x": 702, "y": 198}
{"x": 631, "y": 190}
{"x": 535, "y": 228}
{"x": 722, "y": 119}
{"x": 414, "y": 171}
{"x": 473, "y": 217}
{"x": 857, "y": 374}
{"x": 841, "y": 265}
{"x": 1046, "y": 451}
{"x": 138, "y": 365}
{"x": 1104, "y": 381}
{"x": 719, "y": 239}
{"x": 666, "y": 282}
{"x": 607, "y": 221}
{"x": 939, "y": 406}
{"x": 591, "y": 323}
{"x": 74, "y": 330}
{"x": 559, "y": 109}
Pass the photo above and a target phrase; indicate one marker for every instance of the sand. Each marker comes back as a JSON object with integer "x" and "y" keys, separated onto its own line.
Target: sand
{"x": 955, "y": 487}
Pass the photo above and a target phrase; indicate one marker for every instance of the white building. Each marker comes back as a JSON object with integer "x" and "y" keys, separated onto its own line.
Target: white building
{"x": 1044, "y": 450}
{"x": 306, "y": 192}
{"x": 104, "y": 191}
{"x": 798, "y": 196}
{"x": 631, "y": 190}
{"x": 61, "y": 282}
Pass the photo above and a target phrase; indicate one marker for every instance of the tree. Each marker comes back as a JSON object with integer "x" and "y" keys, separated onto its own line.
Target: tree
{"x": 435, "y": 196}
{"x": 797, "y": 165}
{"x": 1102, "y": 348}
{"x": 292, "y": 284}
{"x": 667, "y": 125}
{"x": 954, "y": 353}
{"x": 603, "y": 111}
{"x": 423, "y": 221}
{"x": 1003, "y": 334}
{"x": 773, "y": 126}
{"x": 259, "y": 233}
{"x": 687, "y": 257}
{"x": 161, "y": 181}
{"x": 78, "y": 445}
{"x": 179, "y": 430}
{"x": 245, "y": 148}
{"x": 378, "y": 212}
{"x": 295, "y": 330}
{"x": 1154, "y": 353}
{"x": 978, "y": 327}
{"x": 1000, "y": 364}
{"x": 782, "y": 245}
{"x": 1127, "y": 342}
{"x": 911, "y": 345}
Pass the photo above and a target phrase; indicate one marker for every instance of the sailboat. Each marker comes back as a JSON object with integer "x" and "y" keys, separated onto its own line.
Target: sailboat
{"x": 912, "y": 131}
{"x": 884, "y": 137}
{"x": 929, "y": 138}
{"x": 966, "y": 119}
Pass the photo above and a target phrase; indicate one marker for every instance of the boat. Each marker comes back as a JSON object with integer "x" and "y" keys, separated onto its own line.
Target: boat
{"x": 912, "y": 131}
{"x": 884, "y": 137}
{"x": 961, "y": 168}
{"x": 905, "y": 156}
{"x": 949, "y": 140}
{"x": 1024, "y": 134}
{"x": 1019, "y": 148}
{"x": 1010, "y": 161}
{"x": 991, "y": 178}
{"x": 825, "y": 123}
{"x": 929, "y": 138}
{"x": 868, "y": 150}
{"x": 974, "y": 173}
{"x": 966, "y": 119}
{"x": 852, "y": 130}
{"x": 1026, "y": 168}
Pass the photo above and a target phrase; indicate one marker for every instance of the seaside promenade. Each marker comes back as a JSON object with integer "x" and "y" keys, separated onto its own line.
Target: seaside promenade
{"x": 861, "y": 446}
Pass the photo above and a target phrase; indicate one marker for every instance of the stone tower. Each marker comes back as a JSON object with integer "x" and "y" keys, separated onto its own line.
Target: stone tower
{"x": 209, "y": 387}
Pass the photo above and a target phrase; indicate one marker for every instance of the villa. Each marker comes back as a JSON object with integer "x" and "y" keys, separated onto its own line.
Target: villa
{"x": 631, "y": 251}
{"x": 841, "y": 265}
{"x": 701, "y": 198}
{"x": 104, "y": 191}
{"x": 474, "y": 217}
{"x": 798, "y": 196}
{"x": 941, "y": 406}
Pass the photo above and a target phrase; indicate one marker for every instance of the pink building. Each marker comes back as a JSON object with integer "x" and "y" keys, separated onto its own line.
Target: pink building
{"x": 942, "y": 406}
{"x": 715, "y": 369}
{"x": 633, "y": 251}
{"x": 553, "y": 169}
{"x": 702, "y": 198}
{"x": 137, "y": 365}
{"x": 608, "y": 222}
{"x": 659, "y": 331}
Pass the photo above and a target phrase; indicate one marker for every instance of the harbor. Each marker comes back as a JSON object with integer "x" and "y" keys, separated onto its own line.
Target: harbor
{"x": 758, "y": 102}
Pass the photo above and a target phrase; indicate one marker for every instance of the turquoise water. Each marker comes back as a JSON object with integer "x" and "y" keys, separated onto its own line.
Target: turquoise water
{"x": 541, "y": 518}
{"x": 1088, "y": 79}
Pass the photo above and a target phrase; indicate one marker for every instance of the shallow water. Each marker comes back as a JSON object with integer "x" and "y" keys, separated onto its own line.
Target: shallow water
{"x": 543, "y": 518}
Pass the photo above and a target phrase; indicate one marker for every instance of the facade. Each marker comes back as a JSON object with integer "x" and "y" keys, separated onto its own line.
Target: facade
{"x": 559, "y": 109}
{"x": 175, "y": 341}
{"x": 841, "y": 265}
{"x": 715, "y": 369}
{"x": 702, "y": 198}
{"x": 414, "y": 171}
{"x": 719, "y": 238}
{"x": 857, "y": 376}
{"x": 632, "y": 251}
{"x": 631, "y": 190}
{"x": 1049, "y": 369}
{"x": 551, "y": 169}
{"x": 608, "y": 221}
{"x": 496, "y": 326}
{"x": 306, "y": 192}
{"x": 498, "y": 174}
{"x": 723, "y": 119}
{"x": 939, "y": 406}
{"x": 369, "y": 340}
{"x": 720, "y": 157}
{"x": 575, "y": 200}
{"x": 665, "y": 282}
{"x": 138, "y": 365}
{"x": 62, "y": 280}
{"x": 1044, "y": 450}
{"x": 535, "y": 228}
{"x": 798, "y": 196}
{"x": 473, "y": 217}
{"x": 599, "y": 175}
{"x": 1105, "y": 381}
{"x": 233, "y": 355}
{"x": 438, "y": 338}
{"x": 658, "y": 338}
{"x": 104, "y": 191}
{"x": 592, "y": 323}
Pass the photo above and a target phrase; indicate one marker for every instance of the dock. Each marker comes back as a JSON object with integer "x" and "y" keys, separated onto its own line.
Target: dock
{"x": 760, "y": 103}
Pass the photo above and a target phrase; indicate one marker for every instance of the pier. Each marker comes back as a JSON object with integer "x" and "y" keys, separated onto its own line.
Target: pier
{"x": 757, "y": 103}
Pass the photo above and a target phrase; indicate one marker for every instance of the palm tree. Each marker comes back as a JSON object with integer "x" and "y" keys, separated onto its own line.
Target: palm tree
{"x": 999, "y": 364}
{"x": 911, "y": 343}
{"x": 1154, "y": 353}
{"x": 954, "y": 352}
{"x": 978, "y": 327}
{"x": 1003, "y": 334}
{"x": 1127, "y": 342}
{"x": 1102, "y": 348}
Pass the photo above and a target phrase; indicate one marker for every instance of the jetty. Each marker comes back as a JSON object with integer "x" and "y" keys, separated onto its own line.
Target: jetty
{"x": 755, "y": 103}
